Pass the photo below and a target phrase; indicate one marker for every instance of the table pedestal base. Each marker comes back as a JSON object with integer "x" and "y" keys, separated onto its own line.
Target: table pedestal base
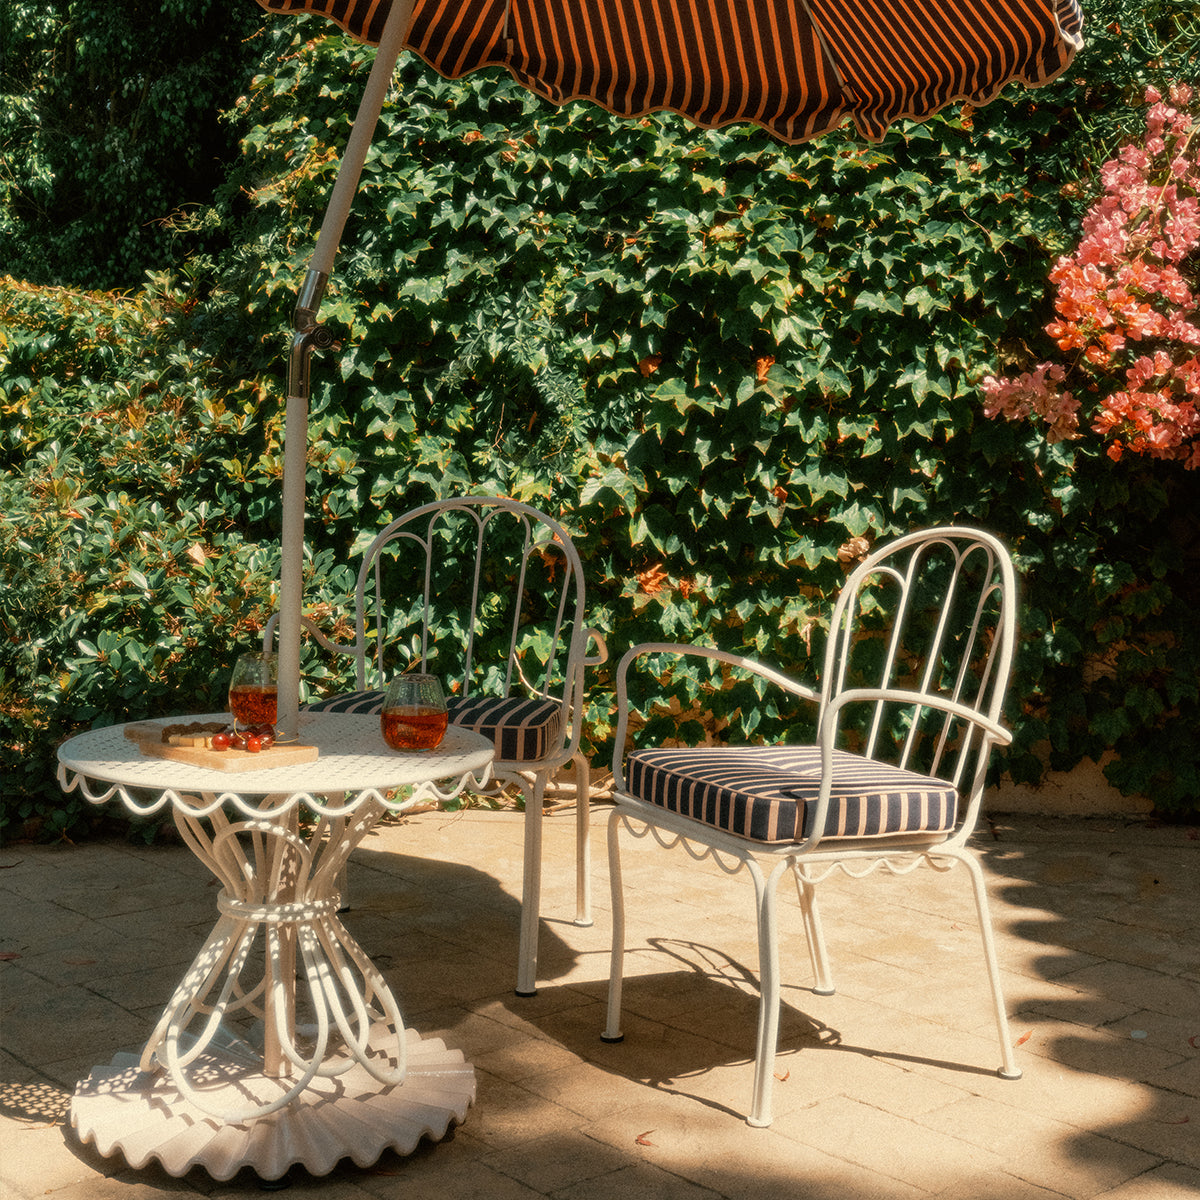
{"x": 142, "y": 1115}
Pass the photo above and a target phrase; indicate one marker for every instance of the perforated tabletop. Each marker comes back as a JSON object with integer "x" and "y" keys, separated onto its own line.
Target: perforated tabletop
{"x": 353, "y": 761}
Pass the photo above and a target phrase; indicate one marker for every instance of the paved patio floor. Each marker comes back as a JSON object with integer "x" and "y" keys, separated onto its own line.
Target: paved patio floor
{"x": 887, "y": 1090}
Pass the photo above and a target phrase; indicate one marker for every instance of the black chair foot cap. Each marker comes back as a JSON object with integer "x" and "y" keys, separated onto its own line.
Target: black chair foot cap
{"x": 612, "y": 1041}
{"x": 525, "y": 995}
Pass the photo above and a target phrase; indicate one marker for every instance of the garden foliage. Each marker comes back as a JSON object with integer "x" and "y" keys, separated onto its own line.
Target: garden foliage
{"x": 727, "y": 365}
{"x": 110, "y": 123}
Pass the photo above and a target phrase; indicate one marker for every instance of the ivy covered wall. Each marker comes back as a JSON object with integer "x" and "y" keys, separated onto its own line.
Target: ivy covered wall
{"x": 720, "y": 360}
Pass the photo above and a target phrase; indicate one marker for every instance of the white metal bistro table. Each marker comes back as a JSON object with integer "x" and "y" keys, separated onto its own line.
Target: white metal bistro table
{"x": 282, "y": 1044}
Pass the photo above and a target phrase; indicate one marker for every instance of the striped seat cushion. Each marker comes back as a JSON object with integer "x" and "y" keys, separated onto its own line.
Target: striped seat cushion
{"x": 765, "y": 793}
{"x": 522, "y": 730}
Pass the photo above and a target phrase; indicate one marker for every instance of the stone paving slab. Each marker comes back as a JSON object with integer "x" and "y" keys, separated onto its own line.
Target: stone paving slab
{"x": 886, "y": 1090}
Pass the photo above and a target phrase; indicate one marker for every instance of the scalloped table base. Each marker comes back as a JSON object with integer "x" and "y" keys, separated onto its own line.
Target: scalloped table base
{"x": 142, "y": 1116}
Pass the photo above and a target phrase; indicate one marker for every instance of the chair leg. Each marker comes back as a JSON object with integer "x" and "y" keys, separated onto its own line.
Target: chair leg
{"x": 813, "y": 932}
{"x": 766, "y": 905}
{"x": 612, "y": 1027}
{"x": 1009, "y": 1069}
{"x": 531, "y": 890}
{"x": 583, "y": 841}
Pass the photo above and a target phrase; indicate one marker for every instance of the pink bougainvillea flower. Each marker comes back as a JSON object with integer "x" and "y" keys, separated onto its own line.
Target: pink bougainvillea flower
{"x": 1128, "y": 317}
{"x": 1035, "y": 392}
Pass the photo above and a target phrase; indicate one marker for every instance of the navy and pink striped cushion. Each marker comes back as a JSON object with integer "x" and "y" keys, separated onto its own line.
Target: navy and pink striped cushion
{"x": 522, "y": 730}
{"x": 765, "y": 793}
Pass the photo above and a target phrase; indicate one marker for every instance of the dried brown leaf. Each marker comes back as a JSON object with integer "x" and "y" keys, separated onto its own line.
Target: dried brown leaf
{"x": 653, "y": 580}
{"x": 853, "y": 550}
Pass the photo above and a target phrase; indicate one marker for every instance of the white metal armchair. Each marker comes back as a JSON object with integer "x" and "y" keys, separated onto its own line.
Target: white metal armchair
{"x": 488, "y": 594}
{"x": 915, "y": 672}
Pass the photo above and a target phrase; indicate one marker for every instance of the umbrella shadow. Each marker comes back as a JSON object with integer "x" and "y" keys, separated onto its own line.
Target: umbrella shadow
{"x": 442, "y": 931}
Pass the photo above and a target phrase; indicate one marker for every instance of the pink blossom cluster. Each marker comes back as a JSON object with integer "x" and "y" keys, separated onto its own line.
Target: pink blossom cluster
{"x": 1036, "y": 392}
{"x": 1128, "y": 313}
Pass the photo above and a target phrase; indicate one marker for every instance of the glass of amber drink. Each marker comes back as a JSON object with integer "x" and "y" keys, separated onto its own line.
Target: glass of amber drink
{"x": 413, "y": 716}
{"x": 253, "y": 690}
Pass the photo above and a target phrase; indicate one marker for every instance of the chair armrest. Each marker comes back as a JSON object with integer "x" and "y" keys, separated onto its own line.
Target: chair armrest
{"x": 601, "y": 656}
{"x": 321, "y": 639}
{"x": 786, "y": 682}
{"x": 994, "y": 731}
{"x": 993, "y": 734}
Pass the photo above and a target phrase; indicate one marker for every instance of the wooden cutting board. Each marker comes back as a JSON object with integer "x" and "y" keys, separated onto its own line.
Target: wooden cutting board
{"x": 148, "y": 736}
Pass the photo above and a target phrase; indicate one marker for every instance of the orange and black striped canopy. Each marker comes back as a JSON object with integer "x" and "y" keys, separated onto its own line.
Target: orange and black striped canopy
{"x": 796, "y": 67}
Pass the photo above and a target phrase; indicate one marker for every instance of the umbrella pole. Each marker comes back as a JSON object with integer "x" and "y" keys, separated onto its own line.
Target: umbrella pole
{"x": 309, "y": 334}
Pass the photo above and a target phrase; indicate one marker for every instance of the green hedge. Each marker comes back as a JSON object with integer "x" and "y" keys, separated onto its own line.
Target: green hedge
{"x": 717, "y": 358}
{"x": 111, "y": 123}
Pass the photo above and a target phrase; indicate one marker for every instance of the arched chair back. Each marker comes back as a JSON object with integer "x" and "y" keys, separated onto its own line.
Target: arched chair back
{"x": 922, "y": 636}
{"x": 487, "y": 594}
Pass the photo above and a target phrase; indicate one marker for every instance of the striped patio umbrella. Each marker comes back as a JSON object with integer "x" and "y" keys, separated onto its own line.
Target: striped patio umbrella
{"x": 798, "y": 68}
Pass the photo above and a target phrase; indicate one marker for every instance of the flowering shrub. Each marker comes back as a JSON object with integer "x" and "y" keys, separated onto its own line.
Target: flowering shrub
{"x": 1127, "y": 303}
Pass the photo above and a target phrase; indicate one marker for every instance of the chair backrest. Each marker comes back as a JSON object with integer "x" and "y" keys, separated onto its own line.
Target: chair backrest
{"x": 483, "y": 591}
{"x": 930, "y": 615}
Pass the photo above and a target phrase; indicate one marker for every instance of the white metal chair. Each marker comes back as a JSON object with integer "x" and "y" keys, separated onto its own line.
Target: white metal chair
{"x": 488, "y": 594}
{"x": 915, "y": 671}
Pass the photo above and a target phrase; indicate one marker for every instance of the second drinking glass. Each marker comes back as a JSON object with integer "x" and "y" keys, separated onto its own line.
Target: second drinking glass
{"x": 414, "y": 713}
